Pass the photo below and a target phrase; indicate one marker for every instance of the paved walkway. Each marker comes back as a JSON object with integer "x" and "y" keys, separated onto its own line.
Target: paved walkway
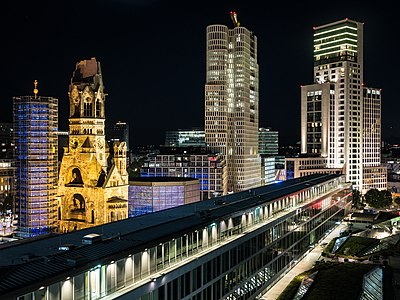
{"x": 306, "y": 263}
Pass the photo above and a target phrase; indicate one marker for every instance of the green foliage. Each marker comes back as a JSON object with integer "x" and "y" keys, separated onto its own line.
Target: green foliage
{"x": 397, "y": 200}
{"x": 356, "y": 198}
{"x": 354, "y": 245}
{"x": 291, "y": 290}
{"x": 334, "y": 281}
{"x": 339, "y": 281}
{"x": 378, "y": 199}
{"x": 329, "y": 247}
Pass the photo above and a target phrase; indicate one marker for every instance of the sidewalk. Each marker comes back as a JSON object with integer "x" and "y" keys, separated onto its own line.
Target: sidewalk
{"x": 303, "y": 265}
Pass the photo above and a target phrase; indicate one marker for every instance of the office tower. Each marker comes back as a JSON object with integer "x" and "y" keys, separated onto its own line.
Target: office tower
{"x": 268, "y": 142}
{"x": 185, "y": 138}
{"x": 35, "y": 136}
{"x": 93, "y": 187}
{"x": 231, "y": 102}
{"x": 6, "y": 141}
{"x": 374, "y": 174}
{"x": 118, "y": 132}
{"x": 332, "y": 109}
{"x": 268, "y": 149}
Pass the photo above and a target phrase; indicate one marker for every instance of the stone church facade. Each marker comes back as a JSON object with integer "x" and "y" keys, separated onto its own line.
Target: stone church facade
{"x": 93, "y": 181}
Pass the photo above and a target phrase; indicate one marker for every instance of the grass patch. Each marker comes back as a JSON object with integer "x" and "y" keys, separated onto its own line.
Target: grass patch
{"x": 329, "y": 247}
{"x": 354, "y": 245}
{"x": 334, "y": 280}
{"x": 291, "y": 290}
{"x": 339, "y": 281}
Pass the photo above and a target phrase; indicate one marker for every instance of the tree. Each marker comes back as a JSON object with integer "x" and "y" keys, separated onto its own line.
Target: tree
{"x": 378, "y": 199}
{"x": 386, "y": 198}
{"x": 397, "y": 201}
{"x": 357, "y": 200}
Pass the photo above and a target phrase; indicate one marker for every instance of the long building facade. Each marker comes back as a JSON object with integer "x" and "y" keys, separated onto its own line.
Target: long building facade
{"x": 232, "y": 247}
{"x": 333, "y": 116}
{"x": 231, "y": 103}
{"x": 35, "y": 137}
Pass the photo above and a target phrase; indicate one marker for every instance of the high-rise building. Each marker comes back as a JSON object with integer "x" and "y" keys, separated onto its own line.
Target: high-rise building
{"x": 268, "y": 142}
{"x": 231, "y": 102}
{"x": 35, "y": 136}
{"x": 268, "y": 149}
{"x": 6, "y": 141}
{"x": 332, "y": 109}
{"x": 93, "y": 186}
{"x": 118, "y": 132}
{"x": 185, "y": 138}
{"x": 374, "y": 174}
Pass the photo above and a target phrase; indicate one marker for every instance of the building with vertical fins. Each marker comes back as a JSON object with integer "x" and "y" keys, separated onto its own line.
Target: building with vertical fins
{"x": 374, "y": 174}
{"x": 93, "y": 186}
{"x": 35, "y": 120}
{"x": 333, "y": 120}
{"x": 231, "y": 102}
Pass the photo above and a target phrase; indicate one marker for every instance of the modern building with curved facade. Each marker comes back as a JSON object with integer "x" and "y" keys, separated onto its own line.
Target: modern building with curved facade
{"x": 150, "y": 194}
{"x": 231, "y": 103}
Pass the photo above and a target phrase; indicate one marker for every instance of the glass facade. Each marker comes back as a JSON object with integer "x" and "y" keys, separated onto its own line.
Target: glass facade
{"x": 235, "y": 257}
{"x": 336, "y": 42}
{"x": 185, "y": 138}
{"x": 35, "y": 135}
{"x": 156, "y": 196}
{"x": 208, "y": 169}
{"x": 268, "y": 142}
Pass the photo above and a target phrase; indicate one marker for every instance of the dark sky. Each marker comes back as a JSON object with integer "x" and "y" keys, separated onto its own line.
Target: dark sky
{"x": 152, "y": 54}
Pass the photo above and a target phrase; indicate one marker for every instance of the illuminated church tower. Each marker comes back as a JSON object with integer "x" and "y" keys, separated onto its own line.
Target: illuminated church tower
{"x": 93, "y": 186}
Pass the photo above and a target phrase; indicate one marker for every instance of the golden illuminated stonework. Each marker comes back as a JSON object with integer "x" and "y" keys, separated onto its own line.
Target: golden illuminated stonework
{"x": 92, "y": 190}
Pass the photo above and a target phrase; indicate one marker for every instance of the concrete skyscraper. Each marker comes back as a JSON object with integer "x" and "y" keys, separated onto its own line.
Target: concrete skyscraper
{"x": 35, "y": 135}
{"x": 231, "y": 102}
{"x": 332, "y": 109}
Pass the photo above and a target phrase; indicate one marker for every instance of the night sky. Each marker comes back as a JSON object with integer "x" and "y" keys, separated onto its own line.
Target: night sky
{"x": 152, "y": 54}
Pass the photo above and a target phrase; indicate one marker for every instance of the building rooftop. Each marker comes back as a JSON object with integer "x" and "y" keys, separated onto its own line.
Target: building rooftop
{"x": 23, "y": 263}
{"x": 162, "y": 179}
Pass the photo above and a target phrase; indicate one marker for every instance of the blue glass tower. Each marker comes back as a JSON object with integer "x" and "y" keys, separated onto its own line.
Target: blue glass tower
{"x": 35, "y": 135}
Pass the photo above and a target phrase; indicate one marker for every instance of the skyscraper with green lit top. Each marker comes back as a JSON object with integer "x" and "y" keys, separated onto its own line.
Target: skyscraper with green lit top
{"x": 332, "y": 109}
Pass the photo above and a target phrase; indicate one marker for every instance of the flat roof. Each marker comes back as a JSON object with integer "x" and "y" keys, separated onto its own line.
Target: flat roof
{"x": 162, "y": 179}
{"x": 26, "y": 262}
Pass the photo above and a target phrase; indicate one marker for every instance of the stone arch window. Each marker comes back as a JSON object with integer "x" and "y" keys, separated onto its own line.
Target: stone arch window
{"x": 76, "y": 177}
{"x": 87, "y": 108}
{"x": 98, "y": 108}
{"x": 78, "y": 201}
